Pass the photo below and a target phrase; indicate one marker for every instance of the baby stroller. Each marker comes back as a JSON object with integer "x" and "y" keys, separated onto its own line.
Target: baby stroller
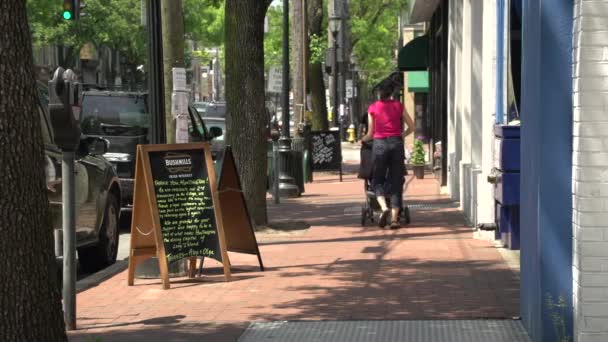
{"x": 371, "y": 206}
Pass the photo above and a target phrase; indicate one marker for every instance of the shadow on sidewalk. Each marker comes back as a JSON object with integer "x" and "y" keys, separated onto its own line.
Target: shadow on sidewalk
{"x": 169, "y": 328}
{"x": 399, "y": 290}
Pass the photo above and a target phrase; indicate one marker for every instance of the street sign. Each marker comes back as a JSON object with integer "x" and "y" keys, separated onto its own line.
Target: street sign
{"x": 349, "y": 89}
{"x": 275, "y": 80}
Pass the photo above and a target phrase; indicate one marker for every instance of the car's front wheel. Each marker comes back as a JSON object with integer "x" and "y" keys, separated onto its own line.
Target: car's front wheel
{"x": 104, "y": 253}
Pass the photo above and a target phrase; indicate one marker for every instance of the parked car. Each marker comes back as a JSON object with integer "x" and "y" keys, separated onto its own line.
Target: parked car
{"x": 211, "y": 109}
{"x": 98, "y": 195}
{"x": 123, "y": 119}
{"x": 200, "y": 106}
{"x": 220, "y": 123}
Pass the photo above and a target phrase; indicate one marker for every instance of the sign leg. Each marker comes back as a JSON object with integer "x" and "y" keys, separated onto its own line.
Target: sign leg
{"x": 132, "y": 263}
{"x": 192, "y": 267}
{"x": 164, "y": 272}
{"x": 200, "y": 267}
{"x": 261, "y": 263}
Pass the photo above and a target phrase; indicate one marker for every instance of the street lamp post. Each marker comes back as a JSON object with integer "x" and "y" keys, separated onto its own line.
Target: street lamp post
{"x": 335, "y": 24}
{"x": 287, "y": 183}
{"x": 351, "y": 127}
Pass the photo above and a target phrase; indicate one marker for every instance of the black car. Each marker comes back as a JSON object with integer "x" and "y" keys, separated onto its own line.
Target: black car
{"x": 98, "y": 195}
{"x": 123, "y": 119}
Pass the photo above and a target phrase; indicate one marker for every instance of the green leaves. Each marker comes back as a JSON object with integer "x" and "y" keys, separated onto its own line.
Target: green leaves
{"x": 115, "y": 24}
{"x": 374, "y": 27}
{"x": 273, "y": 48}
{"x": 204, "y": 21}
{"x": 318, "y": 48}
{"x": 417, "y": 157}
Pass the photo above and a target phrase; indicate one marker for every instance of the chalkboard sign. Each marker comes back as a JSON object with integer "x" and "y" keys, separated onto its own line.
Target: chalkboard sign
{"x": 185, "y": 205}
{"x": 176, "y": 209}
{"x": 326, "y": 150}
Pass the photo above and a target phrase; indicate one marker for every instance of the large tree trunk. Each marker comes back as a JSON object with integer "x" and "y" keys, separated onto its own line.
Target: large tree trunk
{"x": 173, "y": 54}
{"x": 30, "y": 302}
{"x": 246, "y": 115}
{"x": 315, "y": 72}
{"x": 297, "y": 27}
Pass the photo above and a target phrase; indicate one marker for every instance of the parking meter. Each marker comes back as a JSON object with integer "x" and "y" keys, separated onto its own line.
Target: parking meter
{"x": 67, "y": 138}
{"x": 61, "y": 98}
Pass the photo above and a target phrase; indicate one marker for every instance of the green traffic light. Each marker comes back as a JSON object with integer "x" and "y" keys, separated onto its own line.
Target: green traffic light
{"x": 67, "y": 15}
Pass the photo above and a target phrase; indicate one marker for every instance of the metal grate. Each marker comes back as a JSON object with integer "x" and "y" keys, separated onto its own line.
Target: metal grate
{"x": 388, "y": 331}
{"x": 431, "y": 206}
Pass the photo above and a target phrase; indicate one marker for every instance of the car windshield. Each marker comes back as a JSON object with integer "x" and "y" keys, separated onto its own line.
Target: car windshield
{"x": 219, "y": 124}
{"x": 124, "y": 115}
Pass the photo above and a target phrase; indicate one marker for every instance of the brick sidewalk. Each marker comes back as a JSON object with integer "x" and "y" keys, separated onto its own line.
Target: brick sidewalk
{"x": 336, "y": 270}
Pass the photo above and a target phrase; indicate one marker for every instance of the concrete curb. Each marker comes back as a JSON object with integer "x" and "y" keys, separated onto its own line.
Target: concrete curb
{"x": 97, "y": 278}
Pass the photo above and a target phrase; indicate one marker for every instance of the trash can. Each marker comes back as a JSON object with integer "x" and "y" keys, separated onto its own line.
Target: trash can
{"x": 507, "y": 166}
{"x": 298, "y": 146}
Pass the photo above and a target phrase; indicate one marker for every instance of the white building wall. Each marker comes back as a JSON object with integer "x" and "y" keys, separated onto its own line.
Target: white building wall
{"x": 485, "y": 190}
{"x": 465, "y": 110}
{"x": 590, "y": 171}
{"x": 471, "y": 105}
{"x": 454, "y": 105}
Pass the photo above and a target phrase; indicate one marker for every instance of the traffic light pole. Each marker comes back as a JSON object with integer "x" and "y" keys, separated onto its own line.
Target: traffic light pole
{"x": 69, "y": 240}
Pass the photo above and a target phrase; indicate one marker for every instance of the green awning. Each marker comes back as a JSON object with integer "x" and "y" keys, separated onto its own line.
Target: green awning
{"x": 414, "y": 55}
{"x": 418, "y": 81}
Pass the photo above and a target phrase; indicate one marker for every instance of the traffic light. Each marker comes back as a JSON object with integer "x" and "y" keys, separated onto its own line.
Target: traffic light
{"x": 71, "y": 9}
{"x": 68, "y": 10}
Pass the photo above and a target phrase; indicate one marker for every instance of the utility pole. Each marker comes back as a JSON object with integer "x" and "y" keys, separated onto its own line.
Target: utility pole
{"x": 173, "y": 54}
{"x": 155, "y": 72}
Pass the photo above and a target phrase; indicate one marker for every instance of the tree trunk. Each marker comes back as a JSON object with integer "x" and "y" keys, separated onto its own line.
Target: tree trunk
{"x": 319, "y": 102}
{"x": 296, "y": 28}
{"x": 173, "y": 54}
{"x": 315, "y": 72}
{"x": 30, "y": 302}
{"x": 246, "y": 115}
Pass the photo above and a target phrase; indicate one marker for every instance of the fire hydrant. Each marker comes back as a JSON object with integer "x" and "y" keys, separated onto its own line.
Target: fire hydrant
{"x": 351, "y": 133}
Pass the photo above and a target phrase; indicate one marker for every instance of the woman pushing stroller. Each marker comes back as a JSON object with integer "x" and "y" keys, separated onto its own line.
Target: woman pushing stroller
{"x": 387, "y": 119}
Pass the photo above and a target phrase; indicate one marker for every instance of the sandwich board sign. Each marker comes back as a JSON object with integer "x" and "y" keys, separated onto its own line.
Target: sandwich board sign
{"x": 176, "y": 211}
{"x": 238, "y": 226}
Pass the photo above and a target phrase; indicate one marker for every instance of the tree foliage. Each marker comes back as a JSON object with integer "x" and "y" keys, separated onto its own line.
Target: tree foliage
{"x": 110, "y": 23}
{"x": 117, "y": 24}
{"x": 204, "y": 21}
{"x": 318, "y": 48}
{"x": 374, "y": 29}
{"x": 273, "y": 40}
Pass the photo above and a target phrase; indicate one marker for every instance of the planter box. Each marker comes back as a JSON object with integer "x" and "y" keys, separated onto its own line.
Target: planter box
{"x": 418, "y": 171}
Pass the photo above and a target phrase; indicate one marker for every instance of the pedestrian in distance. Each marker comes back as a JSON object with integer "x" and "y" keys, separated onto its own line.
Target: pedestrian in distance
{"x": 388, "y": 125}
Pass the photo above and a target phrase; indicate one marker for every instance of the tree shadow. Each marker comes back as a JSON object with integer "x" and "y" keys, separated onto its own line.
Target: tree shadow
{"x": 163, "y": 329}
{"x": 385, "y": 289}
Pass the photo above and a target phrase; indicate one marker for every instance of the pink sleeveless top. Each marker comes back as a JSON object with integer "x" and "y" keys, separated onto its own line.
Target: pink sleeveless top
{"x": 387, "y": 116}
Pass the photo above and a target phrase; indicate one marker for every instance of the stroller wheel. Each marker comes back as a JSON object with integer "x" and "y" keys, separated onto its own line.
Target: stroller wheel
{"x": 405, "y": 213}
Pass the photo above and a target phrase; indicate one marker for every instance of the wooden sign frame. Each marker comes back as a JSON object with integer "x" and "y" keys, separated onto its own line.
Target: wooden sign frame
{"x": 240, "y": 235}
{"x": 146, "y": 233}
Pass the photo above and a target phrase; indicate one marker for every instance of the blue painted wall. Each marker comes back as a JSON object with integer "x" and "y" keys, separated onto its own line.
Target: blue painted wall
{"x": 546, "y": 152}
